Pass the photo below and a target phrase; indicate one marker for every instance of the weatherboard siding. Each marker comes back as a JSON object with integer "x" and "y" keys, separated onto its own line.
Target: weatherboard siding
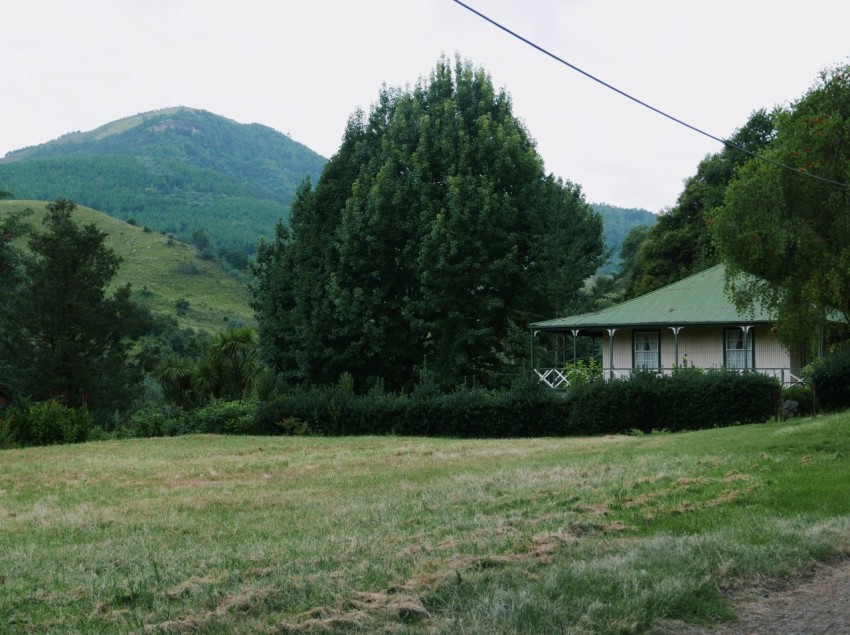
{"x": 701, "y": 346}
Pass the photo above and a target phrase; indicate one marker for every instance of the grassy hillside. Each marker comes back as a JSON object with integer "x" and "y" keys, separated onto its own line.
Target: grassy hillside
{"x": 210, "y": 534}
{"x": 173, "y": 170}
{"x": 163, "y": 271}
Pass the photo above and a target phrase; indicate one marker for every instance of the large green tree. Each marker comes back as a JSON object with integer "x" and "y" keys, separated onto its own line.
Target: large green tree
{"x": 431, "y": 238}
{"x": 64, "y": 336}
{"x": 789, "y": 230}
{"x": 680, "y": 243}
{"x": 12, "y": 228}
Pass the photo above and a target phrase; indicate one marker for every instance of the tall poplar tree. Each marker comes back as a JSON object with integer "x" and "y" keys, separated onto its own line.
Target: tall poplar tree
{"x": 429, "y": 239}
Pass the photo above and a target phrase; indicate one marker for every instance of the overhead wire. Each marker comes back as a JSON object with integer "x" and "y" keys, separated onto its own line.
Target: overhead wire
{"x": 725, "y": 142}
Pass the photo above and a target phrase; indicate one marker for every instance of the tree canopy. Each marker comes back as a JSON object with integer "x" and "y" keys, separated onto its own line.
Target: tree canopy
{"x": 680, "y": 243}
{"x": 62, "y": 334}
{"x": 789, "y": 231}
{"x": 431, "y": 239}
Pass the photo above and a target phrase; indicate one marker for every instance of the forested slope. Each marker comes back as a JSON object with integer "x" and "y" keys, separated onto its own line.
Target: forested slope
{"x": 175, "y": 171}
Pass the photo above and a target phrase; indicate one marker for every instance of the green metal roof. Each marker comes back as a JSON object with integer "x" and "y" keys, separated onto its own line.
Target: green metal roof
{"x": 699, "y": 299}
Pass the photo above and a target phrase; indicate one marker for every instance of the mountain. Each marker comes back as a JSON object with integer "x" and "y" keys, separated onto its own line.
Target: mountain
{"x": 617, "y": 222}
{"x": 163, "y": 272}
{"x": 175, "y": 171}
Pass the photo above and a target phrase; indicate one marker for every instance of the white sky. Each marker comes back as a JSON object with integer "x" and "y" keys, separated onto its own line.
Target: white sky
{"x": 304, "y": 67}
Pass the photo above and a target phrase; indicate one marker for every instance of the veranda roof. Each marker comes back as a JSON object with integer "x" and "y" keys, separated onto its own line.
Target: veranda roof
{"x": 699, "y": 299}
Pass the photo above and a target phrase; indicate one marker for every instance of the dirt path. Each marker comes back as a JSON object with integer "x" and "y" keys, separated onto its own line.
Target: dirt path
{"x": 818, "y": 605}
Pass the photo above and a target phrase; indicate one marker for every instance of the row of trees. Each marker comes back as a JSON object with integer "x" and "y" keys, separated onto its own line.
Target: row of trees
{"x": 430, "y": 241}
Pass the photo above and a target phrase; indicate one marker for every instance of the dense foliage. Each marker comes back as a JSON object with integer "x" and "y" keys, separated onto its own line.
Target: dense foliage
{"x": 789, "y": 231}
{"x": 227, "y": 369}
{"x": 12, "y": 227}
{"x": 689, "y": 399}
{"x": 44, "y": 423}
{"x": 680, "y": 243}
{"x": 830, "y": 378}
{"x": 63, "y": 337}
{"x": 175, "y": 171}
{"x": 432, "y": 238}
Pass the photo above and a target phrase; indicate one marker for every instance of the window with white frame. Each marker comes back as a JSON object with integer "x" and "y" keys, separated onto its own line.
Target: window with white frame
{"x": 646, "y": 354}
{"x": 739, "y": 349}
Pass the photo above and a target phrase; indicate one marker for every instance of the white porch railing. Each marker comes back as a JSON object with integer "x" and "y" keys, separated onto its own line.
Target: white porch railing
{"x": 552, "y": 377}
{"x": 556, "y": 378}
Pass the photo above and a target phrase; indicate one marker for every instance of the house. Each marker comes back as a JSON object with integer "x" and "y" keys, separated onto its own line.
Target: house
{"x": 690, "y": 322}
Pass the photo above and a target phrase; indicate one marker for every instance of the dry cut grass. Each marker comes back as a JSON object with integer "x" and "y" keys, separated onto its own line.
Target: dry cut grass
{"x": 209, "y": 534}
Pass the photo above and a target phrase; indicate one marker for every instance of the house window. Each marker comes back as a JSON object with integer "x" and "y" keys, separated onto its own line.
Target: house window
{"x": 739, "y": 349}
{"x": 646, "y": 352}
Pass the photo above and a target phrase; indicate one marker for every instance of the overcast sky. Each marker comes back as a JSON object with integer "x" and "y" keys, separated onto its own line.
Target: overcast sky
{"x": 304, "y": 67}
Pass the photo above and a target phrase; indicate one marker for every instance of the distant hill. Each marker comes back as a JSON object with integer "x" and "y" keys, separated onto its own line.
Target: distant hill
{"x": 162, "y": 271}
{"x": 174, "y": 171}
{"x": 618, "y": 221}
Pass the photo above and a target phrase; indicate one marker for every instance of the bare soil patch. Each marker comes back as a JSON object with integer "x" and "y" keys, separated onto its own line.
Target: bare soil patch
{"x": 818, "y": 604}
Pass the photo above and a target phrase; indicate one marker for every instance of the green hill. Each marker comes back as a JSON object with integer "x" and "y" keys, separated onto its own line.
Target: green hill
{"x": 162, "y": 271}
{"x": 175, "y": 171}
{"x": 618, "y": 221}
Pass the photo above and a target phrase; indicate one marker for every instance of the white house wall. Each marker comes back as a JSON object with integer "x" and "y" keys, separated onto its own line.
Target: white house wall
{"x": 702, "y": 346}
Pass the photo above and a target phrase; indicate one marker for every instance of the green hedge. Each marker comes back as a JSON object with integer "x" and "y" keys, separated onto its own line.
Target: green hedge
{"x": 220, "y": 417}
{"x": 687, "y": 400}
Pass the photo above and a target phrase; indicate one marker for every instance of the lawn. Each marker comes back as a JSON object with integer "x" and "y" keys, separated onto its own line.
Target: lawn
{"x": 212, "y": 534}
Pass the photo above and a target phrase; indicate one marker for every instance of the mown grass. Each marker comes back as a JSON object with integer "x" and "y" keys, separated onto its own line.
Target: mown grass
{"x": 209, "y": 534}
{"x": 162, "y": 271}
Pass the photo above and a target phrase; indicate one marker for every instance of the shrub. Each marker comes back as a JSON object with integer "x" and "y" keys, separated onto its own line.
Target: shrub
{"x": 583, "y": 372}
{"x": 46, "y": 423}
{"x": 158, "y": 421}
{"x": 6, "y": 438}
{"x": 223, "y": 417}
{"x": 830, "y": 377}
{"x": 181, "y": 306}
{"x": 796, "y": 401}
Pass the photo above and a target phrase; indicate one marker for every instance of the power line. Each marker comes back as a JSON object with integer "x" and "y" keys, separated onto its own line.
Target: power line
{"x": 658, "y": 111}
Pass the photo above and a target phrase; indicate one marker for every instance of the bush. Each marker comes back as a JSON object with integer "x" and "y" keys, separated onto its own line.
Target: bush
{"x": 6, "y": 438}
{"x": 830, "y": 377}
{"x": 796, "y": 401}
{"x": 583, "y": 372}
{"x": 46, "y": 423}
{"x": 223, "y": 417}
{"x": 158, "y": 421}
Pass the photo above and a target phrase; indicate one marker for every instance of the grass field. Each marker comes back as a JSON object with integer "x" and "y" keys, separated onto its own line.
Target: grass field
{"x": 210, "y": 534}
{"x": 168, "y": 271}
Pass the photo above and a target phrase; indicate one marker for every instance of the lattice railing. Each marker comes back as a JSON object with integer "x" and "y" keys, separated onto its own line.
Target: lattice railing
{"x": 556, "y": 378}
